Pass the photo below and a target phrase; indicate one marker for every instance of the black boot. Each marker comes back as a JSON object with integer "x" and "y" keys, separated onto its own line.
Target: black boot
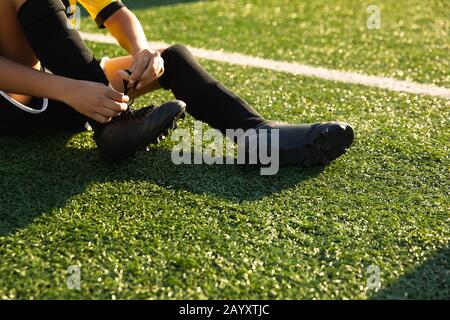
{"x": 134, "y": 130}
{"x": 309, "y": 144}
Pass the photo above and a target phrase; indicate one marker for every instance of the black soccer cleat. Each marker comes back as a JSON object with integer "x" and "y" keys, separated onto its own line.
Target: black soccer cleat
{"x": 135, "y": 130}
{"x": 310, "y": 144}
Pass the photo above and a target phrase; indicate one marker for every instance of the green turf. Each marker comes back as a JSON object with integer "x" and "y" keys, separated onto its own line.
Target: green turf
{"x": 150, "y": 229}
{"x": 413, "y": 42}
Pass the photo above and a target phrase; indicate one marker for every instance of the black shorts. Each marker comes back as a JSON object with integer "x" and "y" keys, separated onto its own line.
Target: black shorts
{"x": 56, "y": 117}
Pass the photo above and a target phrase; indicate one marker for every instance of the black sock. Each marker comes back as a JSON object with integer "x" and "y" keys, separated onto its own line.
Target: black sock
{"x": 207, "y": 99}
{"x": 59, "y": 48}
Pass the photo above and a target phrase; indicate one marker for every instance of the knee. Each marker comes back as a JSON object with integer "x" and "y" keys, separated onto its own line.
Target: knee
{"x": 176, "y": 52}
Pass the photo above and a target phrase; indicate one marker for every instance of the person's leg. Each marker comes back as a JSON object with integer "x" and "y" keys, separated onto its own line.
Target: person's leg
{"x": 13, "y": 120}
{"x": 206, "y": 99}
{"x": 57, "y": 117}
{"x": 61, "y": 50}
{"x": 58, "y": 48}
{"x": 211, "y": 102}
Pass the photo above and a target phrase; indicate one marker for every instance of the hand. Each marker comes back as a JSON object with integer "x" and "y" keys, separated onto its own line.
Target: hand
{"x": 147, "y": 67}
{"x": 95, "y": 100}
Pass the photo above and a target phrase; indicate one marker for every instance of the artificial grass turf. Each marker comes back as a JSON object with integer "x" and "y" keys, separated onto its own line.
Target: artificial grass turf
{"x": 150, "y": 229}
{"x": 412, "y": 44}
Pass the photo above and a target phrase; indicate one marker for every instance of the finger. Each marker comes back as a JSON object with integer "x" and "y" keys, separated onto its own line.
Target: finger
{"x": 148, "y": 77}
{"x": 162, "y": 63}
{"x": 115, "y": 106}
{"x": 159, "y": 66}
{"x": 123, "y": 75}
{"x": 163, "y": 69}
{"x": 108, "y": 112}
{"x": 133, "y": 65}
{"x": 151, "y": 74}
{"x": 105, "y": 112}
{"x": 117, "y": 96}
{"x": 141, "y": 65}
{"x": 99, "y": 118}
{"x": 159, "y": 70}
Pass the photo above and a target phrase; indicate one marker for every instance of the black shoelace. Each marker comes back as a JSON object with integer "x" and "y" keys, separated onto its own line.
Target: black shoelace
{"x": 128, "y": 90}
{"x": 141, "y": 113}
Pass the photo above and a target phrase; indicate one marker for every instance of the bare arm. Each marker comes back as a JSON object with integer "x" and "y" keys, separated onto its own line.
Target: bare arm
{"x": 128, "y": 31}
{"x": 20, "y": 79}
{"x": 91, "y": 99}
{"x": 148, "y": 64}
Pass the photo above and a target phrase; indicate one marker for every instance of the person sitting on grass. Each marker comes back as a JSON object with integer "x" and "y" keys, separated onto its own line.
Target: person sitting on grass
{"x": 41, "y": 55}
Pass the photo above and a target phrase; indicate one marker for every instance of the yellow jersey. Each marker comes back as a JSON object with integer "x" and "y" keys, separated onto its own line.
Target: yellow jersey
{"x": 99, "y": 10}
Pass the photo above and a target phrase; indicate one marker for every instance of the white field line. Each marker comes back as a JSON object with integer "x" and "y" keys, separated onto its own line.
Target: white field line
{"x": 300, "y": 69}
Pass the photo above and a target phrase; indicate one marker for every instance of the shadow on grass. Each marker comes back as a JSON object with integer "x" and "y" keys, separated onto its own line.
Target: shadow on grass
{"x": 431, "y": 280}
{"x": 40, "y": 174}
